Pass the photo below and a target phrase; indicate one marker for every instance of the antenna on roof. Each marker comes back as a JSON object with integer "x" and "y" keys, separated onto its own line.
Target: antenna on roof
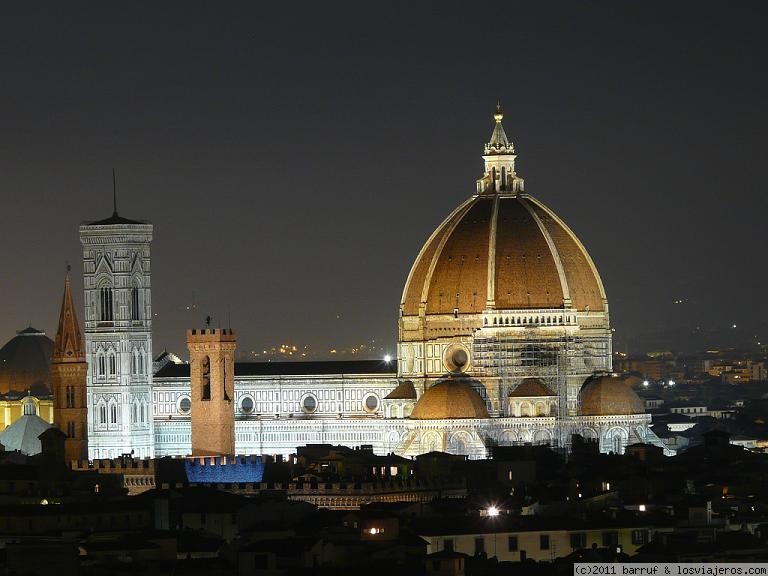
{"x": 114, "y": 192}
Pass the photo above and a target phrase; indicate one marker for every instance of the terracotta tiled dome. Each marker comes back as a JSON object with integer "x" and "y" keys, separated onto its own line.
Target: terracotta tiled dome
{"x": 535, "y": 261}
{"x": 453, "y": 397}
{"x": 531, "y": 388}
{"x": 608, "y": 395}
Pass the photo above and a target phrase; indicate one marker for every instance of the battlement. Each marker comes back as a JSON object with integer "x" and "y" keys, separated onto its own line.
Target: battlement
{"x": 211, "y": 335}
{"x": 116, "y": 465}
{"x": 224, "y": 469}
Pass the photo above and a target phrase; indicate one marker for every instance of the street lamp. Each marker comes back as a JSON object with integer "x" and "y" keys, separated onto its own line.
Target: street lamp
{"x": 493, "y": 513}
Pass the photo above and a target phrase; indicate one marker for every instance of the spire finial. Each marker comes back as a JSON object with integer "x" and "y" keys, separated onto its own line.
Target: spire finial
{"x": 498, "y": 115}
{"x": 114, "y": 192}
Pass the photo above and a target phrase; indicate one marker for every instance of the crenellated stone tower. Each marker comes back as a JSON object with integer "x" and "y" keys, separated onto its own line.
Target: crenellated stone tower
{"x": 68, "y": 374}
{"x": 212, "y": 376}
{"x": 118, "y": 336}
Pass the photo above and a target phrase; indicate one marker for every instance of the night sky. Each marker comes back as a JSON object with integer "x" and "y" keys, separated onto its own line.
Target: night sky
{"x": 294, "y": 157}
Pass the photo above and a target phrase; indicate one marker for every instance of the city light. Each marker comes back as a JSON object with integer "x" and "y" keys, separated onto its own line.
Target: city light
{"x": 493, "y": 511}
{"x": 387, "y": 358}
{"x": 645, "y": 382}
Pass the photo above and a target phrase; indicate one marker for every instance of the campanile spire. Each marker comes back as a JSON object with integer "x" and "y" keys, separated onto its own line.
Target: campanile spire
{"x": 69, "y": 345}
{"x": 499, "y": 156}
{"x": 68, "y": 372}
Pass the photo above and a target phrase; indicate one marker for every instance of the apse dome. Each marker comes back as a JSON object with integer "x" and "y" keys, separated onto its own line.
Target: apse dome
{"x": 605, "y": 395}
{"x": 451, "y": 398}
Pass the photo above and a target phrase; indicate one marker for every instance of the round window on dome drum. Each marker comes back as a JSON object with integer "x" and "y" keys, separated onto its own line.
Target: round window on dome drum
{"x": 185, "y": 405}
{"x": 456, "y": 358}
{"x": 246, "y": 405}
{"x": 309, "y": 404}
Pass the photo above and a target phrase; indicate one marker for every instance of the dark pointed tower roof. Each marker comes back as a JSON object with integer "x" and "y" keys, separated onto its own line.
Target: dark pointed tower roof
{"x": 115, "y": 218}
{"x": 69, "y": 345}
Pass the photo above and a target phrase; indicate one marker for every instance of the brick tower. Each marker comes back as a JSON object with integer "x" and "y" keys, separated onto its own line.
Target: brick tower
{"x": 212, "y": 375}
{"x": 68, "y": 375}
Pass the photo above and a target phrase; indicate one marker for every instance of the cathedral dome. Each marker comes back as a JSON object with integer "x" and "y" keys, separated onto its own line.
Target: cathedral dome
{"x": 504, "y": 252}
{"x": 451, "y": 398}
{"x": 501, "y": 250}
{"x": 24, "y": 362}
{"x": 606, "y": 395}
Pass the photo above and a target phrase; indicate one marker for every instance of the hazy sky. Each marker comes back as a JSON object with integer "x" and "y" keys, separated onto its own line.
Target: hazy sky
{"x": 293, "y": 157}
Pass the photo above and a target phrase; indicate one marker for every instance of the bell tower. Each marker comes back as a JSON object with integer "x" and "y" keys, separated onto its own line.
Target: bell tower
{"x": 212, "y": 375}
{"x": 68, "y": 373}
{"x": 118, "y": 336}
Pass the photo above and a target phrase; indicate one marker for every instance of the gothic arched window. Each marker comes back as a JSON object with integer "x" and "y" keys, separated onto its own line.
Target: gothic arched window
{"x": 135, "y": 308}
{"x": 106, "y": 304}
{"x": 112, "y": 361}
{"x": 113, "y": 414}
{"x": 102, "y": 414}
{"x": 140, "y": 369}
{"x": 101, "y": 363}
{"x": 135, "y": 361}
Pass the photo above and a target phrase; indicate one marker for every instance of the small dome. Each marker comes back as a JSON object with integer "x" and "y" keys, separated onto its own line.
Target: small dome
{"x": 404, "y": 391}
{"x": 24, "y": 362}
{"x": 451, "y": 398}
{"x": 606, "y": 395}
{"x": 530, "y": 388}
{"x": 24, "y": 435}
